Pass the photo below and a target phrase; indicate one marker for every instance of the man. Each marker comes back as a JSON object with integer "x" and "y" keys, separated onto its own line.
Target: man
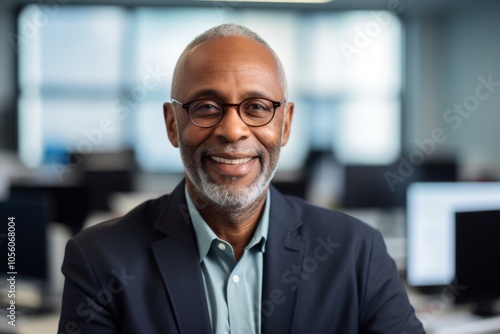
{"x": 225, "y": 252}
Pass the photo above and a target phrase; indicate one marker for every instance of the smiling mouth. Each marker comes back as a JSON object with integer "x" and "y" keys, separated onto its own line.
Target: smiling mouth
{"x": 230, "y": 161}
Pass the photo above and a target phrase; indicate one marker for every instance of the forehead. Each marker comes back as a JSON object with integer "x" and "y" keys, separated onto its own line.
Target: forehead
{"x": 229, "y": 64}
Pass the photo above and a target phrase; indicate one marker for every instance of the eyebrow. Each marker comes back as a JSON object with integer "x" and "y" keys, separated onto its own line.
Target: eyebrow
{"x": 213, "y": 93}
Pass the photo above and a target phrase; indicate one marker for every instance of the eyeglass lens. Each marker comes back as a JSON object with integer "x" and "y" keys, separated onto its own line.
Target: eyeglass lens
{"x": 254, "y": 112}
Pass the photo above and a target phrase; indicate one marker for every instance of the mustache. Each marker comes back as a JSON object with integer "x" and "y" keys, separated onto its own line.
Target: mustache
{"x": 230, "y": 149}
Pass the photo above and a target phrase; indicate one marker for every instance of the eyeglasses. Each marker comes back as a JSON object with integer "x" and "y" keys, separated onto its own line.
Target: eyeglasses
{"x": 255, "y": 112}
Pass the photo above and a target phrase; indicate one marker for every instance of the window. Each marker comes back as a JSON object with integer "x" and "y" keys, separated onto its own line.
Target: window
{"x": 94, "y": 78}
{"x": 71, "y": 71}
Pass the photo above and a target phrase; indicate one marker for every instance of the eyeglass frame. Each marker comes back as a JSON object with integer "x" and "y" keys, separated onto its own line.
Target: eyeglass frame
{"x": 185, "y": 106}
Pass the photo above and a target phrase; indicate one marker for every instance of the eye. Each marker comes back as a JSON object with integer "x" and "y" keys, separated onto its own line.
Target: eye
{"x": 205, "y": 106}
{"x": 255, "y": 106}
{"x": 258, "y": 105}
{"x": 258, "y": 108}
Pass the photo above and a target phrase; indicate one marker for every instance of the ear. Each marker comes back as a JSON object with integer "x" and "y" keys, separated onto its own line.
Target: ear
{"x": 171, "y": 124}
{"x": 288, "y": 123}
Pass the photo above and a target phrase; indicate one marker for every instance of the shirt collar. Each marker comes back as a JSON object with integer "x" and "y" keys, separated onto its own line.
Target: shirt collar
{"x": 205, "y": 236}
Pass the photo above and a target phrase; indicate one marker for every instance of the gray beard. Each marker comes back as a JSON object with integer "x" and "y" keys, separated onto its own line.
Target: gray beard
{"x": 229, "y": 196}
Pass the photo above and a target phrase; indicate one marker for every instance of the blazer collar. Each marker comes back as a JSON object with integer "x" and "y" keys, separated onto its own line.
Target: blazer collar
{"x": 285, "y": 250}
{"x": 178, "y": 260}
{"x": 174, "y": 212}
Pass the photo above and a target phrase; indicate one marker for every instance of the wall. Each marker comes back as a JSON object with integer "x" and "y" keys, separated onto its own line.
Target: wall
{"x": 472, "y": 49}
{"x": 446, "y": 52}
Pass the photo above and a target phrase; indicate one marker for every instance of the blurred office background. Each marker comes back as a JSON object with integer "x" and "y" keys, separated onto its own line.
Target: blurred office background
{"x": 387, "y": 93}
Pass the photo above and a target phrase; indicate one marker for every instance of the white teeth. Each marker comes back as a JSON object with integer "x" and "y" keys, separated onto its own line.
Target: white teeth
{"x": 230, "y": 161}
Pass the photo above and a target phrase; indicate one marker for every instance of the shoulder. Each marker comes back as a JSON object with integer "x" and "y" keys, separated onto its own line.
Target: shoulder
{"x": 317, "y": 219}
{"x": 137, "y": 224}
{"x": 123, "y": 242}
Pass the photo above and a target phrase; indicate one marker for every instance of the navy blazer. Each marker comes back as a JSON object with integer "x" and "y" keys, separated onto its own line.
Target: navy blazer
{"x": 324, "y": 272}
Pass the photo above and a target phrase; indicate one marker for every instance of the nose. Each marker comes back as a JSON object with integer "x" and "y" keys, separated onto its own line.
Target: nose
{"x": 231, "y": 127}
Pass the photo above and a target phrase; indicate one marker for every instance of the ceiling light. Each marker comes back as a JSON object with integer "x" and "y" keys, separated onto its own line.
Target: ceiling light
{"x": 275, "y": 1}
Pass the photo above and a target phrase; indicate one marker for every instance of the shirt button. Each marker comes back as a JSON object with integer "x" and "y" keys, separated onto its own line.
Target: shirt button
{"x": 221, "y": 246}
{"x": 236, "y": 278}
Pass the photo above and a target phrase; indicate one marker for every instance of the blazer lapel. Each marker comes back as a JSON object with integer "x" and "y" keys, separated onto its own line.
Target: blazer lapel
{"x": 282, "y": 261}
{"x": 178, "y": 260}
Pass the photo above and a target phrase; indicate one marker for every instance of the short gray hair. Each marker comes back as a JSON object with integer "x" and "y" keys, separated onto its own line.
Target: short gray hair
{"x": 222, "y": 31}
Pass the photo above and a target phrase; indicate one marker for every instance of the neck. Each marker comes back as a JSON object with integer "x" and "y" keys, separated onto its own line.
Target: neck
{"x": 234, "y": 225}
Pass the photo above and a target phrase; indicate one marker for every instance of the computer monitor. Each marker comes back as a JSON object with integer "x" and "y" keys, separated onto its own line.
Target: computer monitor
{"x": 366, "y": 186}
{"x": 430, "y": 213}
{"x": 369, "y": 185}
{"x": 31, "y": 217}
{"x": 29, "y": 213}
{"x": 477, "y": 257}
{"x": 69, "y": 204}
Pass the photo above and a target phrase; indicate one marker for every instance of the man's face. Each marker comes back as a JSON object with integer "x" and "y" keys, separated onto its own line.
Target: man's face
{"x": 230, "y": 163}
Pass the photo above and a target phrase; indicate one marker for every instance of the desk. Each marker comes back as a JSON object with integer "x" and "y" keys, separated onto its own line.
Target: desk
{"x": 441, "y": 316}
{"x": 32, "y": 324}
{"x": 449, "y": 320}
{"x": 459, "y": 322}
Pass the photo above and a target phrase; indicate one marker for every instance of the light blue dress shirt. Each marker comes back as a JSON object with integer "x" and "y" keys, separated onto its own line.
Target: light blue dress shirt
{"x": 233, "y": 288}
